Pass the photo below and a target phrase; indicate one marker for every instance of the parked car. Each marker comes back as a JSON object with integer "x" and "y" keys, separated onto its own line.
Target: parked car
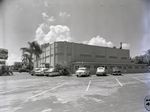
{"x": 23, "y": 70}
{"x": 32, "y": 72}
{"x": 101, "y": 71}
{"x": 52, "y": 72}
{"x": 82, "y": 71}
{"x": 116, "y": 71}
{"x": 40, "y": 71}
{"x": 148, "y": 68}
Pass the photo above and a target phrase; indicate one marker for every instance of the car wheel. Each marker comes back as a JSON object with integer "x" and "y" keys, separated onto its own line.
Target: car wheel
{"x": 77, "y": 76}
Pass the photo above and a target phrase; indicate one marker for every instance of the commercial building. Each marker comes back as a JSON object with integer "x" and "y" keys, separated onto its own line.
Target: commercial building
{"x": 87, "y": 55}
{"x": 3, "y": 56}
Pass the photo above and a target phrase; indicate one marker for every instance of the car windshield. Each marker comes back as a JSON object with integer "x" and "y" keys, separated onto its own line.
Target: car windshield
{"x": 115, "y": 68}
{"x": 51, "y": 69}
{"x": 100, "y": 68}
{"x": 43, "y": 69}
{"x": 82, "y": 68}
{"x": 36, "y": 69}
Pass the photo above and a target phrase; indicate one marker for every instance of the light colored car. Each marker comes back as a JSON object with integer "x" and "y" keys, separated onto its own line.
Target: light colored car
{"x": 52, "y": 72}
{"x": 82, "y": 71}
{"x": 101, "y": 71}
{"x": 116, "y": 71}
{"x": 40, "y": 71}
{"x": 33, "y": 71}
{"x": 148, "y": 68}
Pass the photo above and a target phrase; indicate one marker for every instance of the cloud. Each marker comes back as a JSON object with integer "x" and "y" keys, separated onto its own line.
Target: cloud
{"x": 40, "y": 33}
{"x": 56, "y": 33}
{"x": 99, "y": 41}
{"x": 64, "y": 14}
{"x": 13, "y": 58}
{"x": 47, "y": 18}
{"x": 51, "y": 19}
{"x": 44, "y": 15}
{"x": 125, "y": 46}
{"x": 45, "y": 3}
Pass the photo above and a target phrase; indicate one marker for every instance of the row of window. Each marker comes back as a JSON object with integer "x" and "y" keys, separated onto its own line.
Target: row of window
{"x": 120, "y": 67}
{"x": 100, "y": 56}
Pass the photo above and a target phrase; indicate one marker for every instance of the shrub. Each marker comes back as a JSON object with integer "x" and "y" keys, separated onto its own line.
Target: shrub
{"x": 5, "y": 71}
{"x": 64, "y": 69}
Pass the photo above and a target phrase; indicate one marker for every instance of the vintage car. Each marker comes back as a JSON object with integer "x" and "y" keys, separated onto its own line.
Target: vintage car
{"x": 82, "y": 71}
{"x": 23, "y": 70}
{"x": 116, "y": 71}
{"x": 101, "y": 71}
{"x": 32, "y": 72}
{"x": 40, "y": 71}
{"x": 52, "y": 72}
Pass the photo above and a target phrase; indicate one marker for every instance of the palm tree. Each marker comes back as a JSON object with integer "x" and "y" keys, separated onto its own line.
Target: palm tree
{"x": 26, "y": 58}
{"x": 33, "y": 49}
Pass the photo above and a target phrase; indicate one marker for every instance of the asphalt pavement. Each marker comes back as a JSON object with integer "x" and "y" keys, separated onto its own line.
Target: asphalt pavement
{"x": 25, "y": 93}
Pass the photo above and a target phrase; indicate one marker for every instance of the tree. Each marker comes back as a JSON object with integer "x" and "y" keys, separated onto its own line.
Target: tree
{"x": 147, "y": 56}
{"x": 5, "y": 71}
{"x": 26, "y": 59}
{"x": 33, "y": 49}
{"x": 65, "y": 68}
{"x": 139, "y": 59}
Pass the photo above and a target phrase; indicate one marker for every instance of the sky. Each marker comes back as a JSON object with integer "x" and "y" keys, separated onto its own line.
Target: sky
{"x": 93, "y": 22}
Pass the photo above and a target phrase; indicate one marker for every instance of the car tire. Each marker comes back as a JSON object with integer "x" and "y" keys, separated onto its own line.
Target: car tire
{"x": 77, "y": 76}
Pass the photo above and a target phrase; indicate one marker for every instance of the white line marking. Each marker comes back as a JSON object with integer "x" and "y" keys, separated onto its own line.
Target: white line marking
{"x": 119, "y": 82}
{"x": 14, "y": 89}
{"x": 139, "y": 80}
{"x": 8, "y": 91}
{"x": 46, "y": 91}
{"x": 88, "y": 86}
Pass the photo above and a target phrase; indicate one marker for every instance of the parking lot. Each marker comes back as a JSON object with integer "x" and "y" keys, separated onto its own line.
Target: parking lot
{"x": 25, "y": 93}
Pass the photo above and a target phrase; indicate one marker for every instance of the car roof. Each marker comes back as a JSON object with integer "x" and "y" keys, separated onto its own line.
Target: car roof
{"x": 82, "y": 68}
{"x": 101, "y": 67}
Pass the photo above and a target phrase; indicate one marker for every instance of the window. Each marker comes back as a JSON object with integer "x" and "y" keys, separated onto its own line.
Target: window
{"x": 114, "y": 57}
{"x": 130, "y": 67}
{"x": 85, "y": 55}
{"x": 124, "y": 67}
{"x": 99, "y": 56}
{"x": 87, "y": 66}
{"x": 96, "y": 66}
{"x": 76, "y": 67}
{"x": 136, "y": 67}
{"x": 111, "y": 67}
{"x": 142, "y": 67}
{"x": 119, "y": 67}
{"x": 123, "y": 57}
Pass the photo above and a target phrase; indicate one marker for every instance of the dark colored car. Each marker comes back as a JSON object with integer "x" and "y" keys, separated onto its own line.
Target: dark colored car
{"x": 52, "y": 72}
{"x": 101, "y": 71}
{"x": 116, "y": 71}
{"x": 40, "y": 71}
{"x": 23, "y": 70}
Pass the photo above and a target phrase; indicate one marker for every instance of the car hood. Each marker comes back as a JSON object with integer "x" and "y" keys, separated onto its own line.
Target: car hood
{"x": 80, "y": 71}
{"x": 100, "y": 70}
{"x": 39, "y": 71}
{"x": 49, "y": 71}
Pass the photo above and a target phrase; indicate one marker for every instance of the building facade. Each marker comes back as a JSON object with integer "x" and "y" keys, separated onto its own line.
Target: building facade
{"x": 88, "y": 56}
{"x": 3, "y": 56}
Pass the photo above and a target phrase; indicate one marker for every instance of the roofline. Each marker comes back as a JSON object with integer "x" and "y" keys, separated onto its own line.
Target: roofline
{"x": 88, "y": 45}
{"x": 105, "y": 63}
